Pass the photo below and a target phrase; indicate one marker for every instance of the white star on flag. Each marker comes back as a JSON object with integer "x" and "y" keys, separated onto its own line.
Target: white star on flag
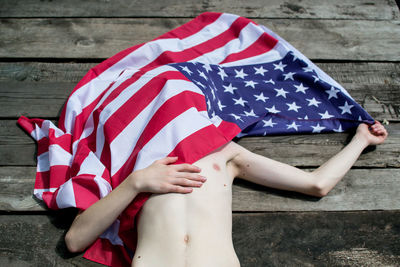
{"x": 279, "y": 66}
{"x": 261, "y": 97}
{"x": 250, "y": 83}
{"x": 270, "y": 81}
{"x": 332, "y": 92}
{"x": 187, "y": 70}
{"x": 293, "y": 106}
{"x": 292, "y": 126}
{"x": 207, "y": 67}
{"x": 237, "y": 117}
{"x": 318, "y": 128}
{"x": 339, "y": 130}
{"x": 229, "y": 88}
{"x": 202, "y": 75}
{"x": 220, "y": 106}
{"x": 316, "y": 78}
{"x": 268, "y": 123}
{"x": 240, "y": 74}
{"x": 326, "y": 115}
{"x": 260, "y": 70}
{"x": 222, "y": 74}
{"x": 273, "y": 109}
{"x": 213, "y": 94}
{"x": 289, "y": 75}
{"x": 313, "y": 102}
{"x": 301, "y": 88}
{"x": 281, "y": 92}
{"x": 250, "y": 114}
{"x": 346, "y": 108}
{"x": 239, "y": 101}
{"x": 199, "y": 83}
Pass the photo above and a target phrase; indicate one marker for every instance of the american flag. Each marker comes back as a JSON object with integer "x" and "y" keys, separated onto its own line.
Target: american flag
{"x": 184, "y": 94}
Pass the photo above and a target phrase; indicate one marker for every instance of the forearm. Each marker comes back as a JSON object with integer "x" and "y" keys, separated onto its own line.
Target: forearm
{"x": 332, "y": 171}
{"x": 91, "y": 223}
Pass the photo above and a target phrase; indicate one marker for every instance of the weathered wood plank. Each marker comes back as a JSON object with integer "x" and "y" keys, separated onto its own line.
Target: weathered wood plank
{"x": 268, "y": 239}
{"x": 361, "y": 189}
{"x": 101, "y": 38}
{"x": 18, "y": 149}
{"x": 40, "y": 89}
{"x": 356, "y": 9}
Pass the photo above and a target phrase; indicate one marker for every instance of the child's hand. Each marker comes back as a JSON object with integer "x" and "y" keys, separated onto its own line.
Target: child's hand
{"x": 374, "y": 134}
{"x": 160, "y": 177}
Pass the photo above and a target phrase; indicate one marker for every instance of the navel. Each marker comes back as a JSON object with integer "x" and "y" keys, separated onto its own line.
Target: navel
{"x": 216, "y": 167}
{"x": 186, "y": 238}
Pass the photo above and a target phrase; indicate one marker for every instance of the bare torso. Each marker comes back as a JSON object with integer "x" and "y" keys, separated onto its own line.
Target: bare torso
{"x": 191, "y": 230}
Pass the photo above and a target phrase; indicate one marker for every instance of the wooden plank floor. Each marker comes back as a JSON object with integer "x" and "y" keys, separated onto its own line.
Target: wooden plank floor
{"x": 47, "y": 46}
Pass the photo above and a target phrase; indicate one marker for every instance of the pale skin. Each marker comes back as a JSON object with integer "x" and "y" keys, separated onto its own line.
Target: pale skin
{"x": 163, "y": 177}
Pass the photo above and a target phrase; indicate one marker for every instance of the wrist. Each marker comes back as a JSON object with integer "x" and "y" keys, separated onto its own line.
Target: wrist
{"x": 133, "y": 181}
{"x": 361, "y": 140}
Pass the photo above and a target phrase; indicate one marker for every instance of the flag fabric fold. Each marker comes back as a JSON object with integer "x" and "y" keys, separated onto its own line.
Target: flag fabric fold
{"x": 184, "y": 94}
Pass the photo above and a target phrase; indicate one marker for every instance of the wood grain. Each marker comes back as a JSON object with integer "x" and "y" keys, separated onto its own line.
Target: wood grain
{"x": 360, "y": 189}
{"x": 100, "y": 38}
{"x": 326, "y": 9}
{"x": 260, "y": 239}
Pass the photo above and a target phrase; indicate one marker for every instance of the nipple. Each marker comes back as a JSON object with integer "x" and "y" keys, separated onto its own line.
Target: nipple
{"x": 216, "y": 167}
{"x": 186, "y": 238}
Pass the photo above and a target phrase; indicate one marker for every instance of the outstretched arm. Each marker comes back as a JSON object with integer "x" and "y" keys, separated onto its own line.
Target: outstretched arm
{"x": 160, "y": 177}
{"x": 271, "y": 173}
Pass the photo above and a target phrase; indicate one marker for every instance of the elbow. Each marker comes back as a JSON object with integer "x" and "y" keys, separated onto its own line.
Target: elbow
{"x": 72, "y": 244}
{"x": 319, "y": 190}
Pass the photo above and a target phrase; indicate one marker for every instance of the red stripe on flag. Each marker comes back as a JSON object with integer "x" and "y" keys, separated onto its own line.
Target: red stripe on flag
{"x": 53, "y": 178}
{"x": 198, "y": 145}
{"x": 43, "y": 146}
{"x": 86, "y": 190}
{"x": 229, "y": 129}
{"x": 104, "y": 252}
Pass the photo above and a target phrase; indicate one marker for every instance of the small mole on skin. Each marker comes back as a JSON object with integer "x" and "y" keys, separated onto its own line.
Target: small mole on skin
{"x": 224, "y": 184}
{"x": 139, "y": 257}
{"x": 216, "y": 167}
{"x": 248, "y": 165}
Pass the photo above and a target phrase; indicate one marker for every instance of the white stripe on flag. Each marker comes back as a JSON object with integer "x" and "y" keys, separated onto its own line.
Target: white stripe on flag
{"x": 58, "y": 156}
{"x": 55, "y": 156}
{"x": 66, "y": 196}
{"x": 91, "y": 165}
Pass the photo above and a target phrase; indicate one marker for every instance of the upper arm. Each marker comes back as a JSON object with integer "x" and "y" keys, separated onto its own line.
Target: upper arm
{"x": 268, "y": 172}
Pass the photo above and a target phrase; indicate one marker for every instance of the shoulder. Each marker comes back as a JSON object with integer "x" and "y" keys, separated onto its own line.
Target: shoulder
{"x": 234, "y": 155}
